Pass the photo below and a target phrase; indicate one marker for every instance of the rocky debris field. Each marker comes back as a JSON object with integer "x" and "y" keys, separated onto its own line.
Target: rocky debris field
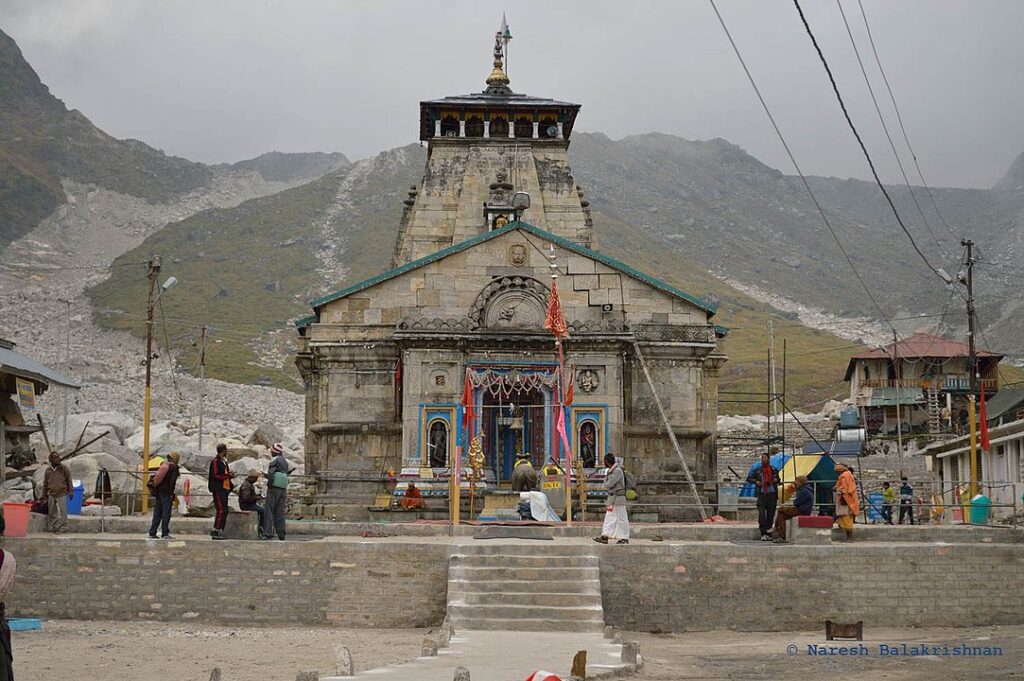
{"x": 120, "y": 444}
{"x": 43, "y": 277}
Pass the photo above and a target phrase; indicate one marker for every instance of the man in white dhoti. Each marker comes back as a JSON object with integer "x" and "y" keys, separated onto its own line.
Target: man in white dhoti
{"x": 616, "y": 522}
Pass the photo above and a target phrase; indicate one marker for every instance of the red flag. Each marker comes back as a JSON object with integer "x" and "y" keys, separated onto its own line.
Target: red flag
{"x": 554, "y": 321}
{"x": 570, "y": 393}
{"x": 469, "y": 412}
{"x": 983, "y": 425}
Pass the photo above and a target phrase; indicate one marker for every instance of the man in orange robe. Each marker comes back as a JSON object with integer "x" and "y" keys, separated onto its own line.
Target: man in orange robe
{"x": 412, "y": 499}
{"x": 847, "y": 503}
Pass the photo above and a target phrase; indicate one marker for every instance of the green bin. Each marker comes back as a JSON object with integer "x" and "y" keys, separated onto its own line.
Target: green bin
{"x": 981, "y": 506}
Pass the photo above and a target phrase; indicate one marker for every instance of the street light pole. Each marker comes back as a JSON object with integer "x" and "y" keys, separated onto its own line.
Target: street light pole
{"x": 202, "y": 384}
{"x": 154, "y": 274}
{"x": 972, "y": 364}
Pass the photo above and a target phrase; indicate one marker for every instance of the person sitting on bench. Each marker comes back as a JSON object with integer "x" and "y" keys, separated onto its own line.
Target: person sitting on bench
{"x": 803, "y": 504}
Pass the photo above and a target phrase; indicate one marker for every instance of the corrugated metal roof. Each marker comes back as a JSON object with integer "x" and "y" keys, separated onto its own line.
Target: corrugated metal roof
{"x": 15, "y": 363}
{"x": 920, "y": 345}
{"x": 923, "y": 345}
{"x": 1005, "y": 400}
{"x": 536, "y": 231}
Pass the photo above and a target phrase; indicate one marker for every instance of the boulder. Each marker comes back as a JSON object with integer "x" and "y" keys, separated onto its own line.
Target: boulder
{"x": 241, "y": 467}
{"x": 236, "y": 449}
{"x": 197, "y": 495}
{"x": 126, "y": 455}
{"x": 86, "y": 467}
{"x": 120, "y": 425}
{"x": 266, "y": 434}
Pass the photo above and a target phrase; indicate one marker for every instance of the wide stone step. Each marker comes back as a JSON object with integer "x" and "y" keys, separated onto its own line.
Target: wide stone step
{"x": 500, "y": 586}
{"x": 517, "y": 612}
{"x": 509, "y": 561}
{"x": 470, "y": 573}
{"x": 531, "y": 548}
{"x": 501, "y": 598}
{"x": 496, "y": 624}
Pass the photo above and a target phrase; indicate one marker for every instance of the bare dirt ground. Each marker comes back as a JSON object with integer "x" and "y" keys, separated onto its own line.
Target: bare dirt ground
{"x": 714, "y": 655}
{"x": 152, "y": 651}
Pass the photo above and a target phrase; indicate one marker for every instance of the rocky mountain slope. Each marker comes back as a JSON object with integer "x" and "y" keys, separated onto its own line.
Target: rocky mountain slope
{"x": 753, "y": 225}
{"x": 251, "y": 269}
{"x": 43, "y": 143}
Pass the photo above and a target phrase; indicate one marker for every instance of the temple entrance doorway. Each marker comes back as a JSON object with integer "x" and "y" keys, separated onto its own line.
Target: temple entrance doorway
{"x": 514, "y": 424}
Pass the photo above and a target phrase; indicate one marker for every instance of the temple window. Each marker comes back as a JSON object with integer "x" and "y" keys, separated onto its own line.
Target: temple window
{"x": 524, "y": 127}
{"x": 548, "y": 127}
{"x": 499, "y": 126}
{"x": 474, "y": 126}
{"x": 437, "y": 444}
{"x": 449, "y": 126}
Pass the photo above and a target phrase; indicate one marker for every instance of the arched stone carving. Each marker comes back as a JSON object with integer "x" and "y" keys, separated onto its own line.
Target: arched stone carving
{"x": 515, "y": 302}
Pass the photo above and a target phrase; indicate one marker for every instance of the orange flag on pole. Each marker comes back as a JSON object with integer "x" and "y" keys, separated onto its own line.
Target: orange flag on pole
{"x": 554, "y": 321}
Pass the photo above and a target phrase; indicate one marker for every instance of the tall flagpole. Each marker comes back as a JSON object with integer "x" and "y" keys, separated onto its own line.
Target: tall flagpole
{"x": 567, "y": 461}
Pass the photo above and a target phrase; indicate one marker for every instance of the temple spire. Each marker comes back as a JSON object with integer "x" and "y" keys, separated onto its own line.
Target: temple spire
{"x": 497, "y": 82}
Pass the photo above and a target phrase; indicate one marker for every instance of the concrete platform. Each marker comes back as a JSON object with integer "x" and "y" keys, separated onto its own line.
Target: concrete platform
{"x": 506, "y": 656}
{"x": 728, "y": 531}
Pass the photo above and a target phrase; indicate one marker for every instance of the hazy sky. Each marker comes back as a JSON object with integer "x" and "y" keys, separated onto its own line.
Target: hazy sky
{"x": 223, "y": 80}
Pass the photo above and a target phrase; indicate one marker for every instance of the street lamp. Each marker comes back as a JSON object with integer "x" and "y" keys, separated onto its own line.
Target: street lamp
{"x": 154, "y": 296}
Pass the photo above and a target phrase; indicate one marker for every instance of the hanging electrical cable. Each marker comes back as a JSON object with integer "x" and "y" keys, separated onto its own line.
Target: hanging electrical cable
{"x": 867, "y": 156}
{"x": 899, "y": 118}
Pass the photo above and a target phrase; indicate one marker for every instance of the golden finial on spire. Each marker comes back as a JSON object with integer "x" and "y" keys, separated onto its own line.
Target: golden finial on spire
{"x": 497, "y": 79}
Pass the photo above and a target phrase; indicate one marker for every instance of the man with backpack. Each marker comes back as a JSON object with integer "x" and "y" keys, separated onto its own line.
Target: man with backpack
{"x": 616, "y": 520}
{"x": 220, "y": 486}
{"x": 162, "y": 486}
{"x": 277, "y": 493}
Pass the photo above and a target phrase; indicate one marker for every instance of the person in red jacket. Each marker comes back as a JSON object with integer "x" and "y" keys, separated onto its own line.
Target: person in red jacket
{"x": 220, "y": 487}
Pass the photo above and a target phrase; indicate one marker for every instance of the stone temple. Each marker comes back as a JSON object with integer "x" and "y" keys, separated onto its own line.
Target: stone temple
{"x": 389, "y": 363}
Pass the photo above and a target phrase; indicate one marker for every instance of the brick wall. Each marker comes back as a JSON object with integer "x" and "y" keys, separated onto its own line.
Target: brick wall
{"x": 348, "y": 584}
{"x": 666, "y": 587}
{"x": 777, "y": 588}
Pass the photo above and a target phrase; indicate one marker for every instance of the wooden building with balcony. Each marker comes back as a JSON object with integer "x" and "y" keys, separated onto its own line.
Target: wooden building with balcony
{"x": 922, "y": 382}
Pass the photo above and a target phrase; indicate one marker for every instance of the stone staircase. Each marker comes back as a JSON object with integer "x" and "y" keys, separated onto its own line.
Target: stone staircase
{"x": 525, "y": 587}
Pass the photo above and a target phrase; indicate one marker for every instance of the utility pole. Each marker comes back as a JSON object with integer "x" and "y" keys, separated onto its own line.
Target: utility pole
{"x": 202, "y": 384}
{"x": 771, "y": 379}
{"x": 67, "y": 372}
{"x": 972, "y": 363}
{"x": 154, "y": 276}
{"x": 898, "y": 370}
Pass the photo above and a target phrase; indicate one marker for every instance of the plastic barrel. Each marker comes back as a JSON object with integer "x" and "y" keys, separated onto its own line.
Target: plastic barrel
{"x": 980, "y": 507}
{"x": 16, "y": 519}
{"x": 875, "y": 506}
{"x": 77, "y": 496}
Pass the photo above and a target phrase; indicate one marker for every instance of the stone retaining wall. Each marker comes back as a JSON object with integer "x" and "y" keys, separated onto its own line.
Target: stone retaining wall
{"x": 347, "y": 584}
{"x": 388, "y": 583}
{"x": 778, "y": 588}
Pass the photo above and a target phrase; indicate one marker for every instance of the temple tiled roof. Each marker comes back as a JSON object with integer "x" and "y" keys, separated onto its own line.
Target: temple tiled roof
{"x": 487, "y": 236}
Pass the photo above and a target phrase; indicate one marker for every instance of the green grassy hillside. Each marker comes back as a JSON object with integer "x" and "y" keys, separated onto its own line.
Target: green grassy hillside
{"x": 248, "y": 271}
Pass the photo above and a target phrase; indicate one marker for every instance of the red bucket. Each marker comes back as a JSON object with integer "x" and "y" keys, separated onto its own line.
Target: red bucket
{"x": 16, "y": 519}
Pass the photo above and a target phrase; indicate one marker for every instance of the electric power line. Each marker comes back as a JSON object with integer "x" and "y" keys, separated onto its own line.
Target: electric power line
{"x": 83, "y": 306}
{"x": 885, "y": 128}
{"x": 853, "y": 128}
{"x": 899, "y": 118}
{"x": 796, "y": 166}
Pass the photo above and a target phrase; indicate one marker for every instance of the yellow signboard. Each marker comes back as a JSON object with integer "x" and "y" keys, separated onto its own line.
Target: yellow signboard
{"x": 555, "y": 484}
{"x": 26, "y": 395}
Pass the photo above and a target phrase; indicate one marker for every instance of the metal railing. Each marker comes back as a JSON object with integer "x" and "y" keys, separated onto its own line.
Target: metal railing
{"x": 950, "y": 383}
